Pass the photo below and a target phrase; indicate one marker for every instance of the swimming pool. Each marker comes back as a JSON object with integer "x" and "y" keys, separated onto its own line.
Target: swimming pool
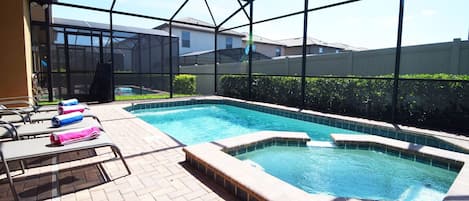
{"x": 194, "y": 124}
{"x": 130, "y": 90}
{"x": 353, "y": 173}
{"x": 333, "y": 171}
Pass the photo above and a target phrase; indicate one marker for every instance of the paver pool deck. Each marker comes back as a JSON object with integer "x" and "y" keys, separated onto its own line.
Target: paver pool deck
{"x": 155, "y": 160}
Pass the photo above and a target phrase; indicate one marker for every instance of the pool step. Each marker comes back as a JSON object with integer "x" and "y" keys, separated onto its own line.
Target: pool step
{"x": 320, "y": 144}
{"x": 253, "y": 164}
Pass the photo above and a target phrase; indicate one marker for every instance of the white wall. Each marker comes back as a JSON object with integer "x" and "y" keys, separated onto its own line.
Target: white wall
{"x": 200, "y": 41}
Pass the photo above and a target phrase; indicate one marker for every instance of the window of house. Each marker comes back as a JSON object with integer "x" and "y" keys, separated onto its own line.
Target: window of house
{"x": 336, "y": 51}
{"x": 321, "y": 50}
{"x": 186, "y": 39}
{"x": 278, "y": 52}
{"x": 229, "y": 43}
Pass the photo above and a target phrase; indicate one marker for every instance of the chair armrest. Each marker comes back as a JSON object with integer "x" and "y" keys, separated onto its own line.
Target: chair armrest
{"x": 11, "y": 129}
{"x": 13, "y": 112}
{"x": 93, "y": 117}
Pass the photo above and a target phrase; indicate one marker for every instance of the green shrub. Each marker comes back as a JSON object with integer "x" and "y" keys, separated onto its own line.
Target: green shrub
{"x": 184, "y": 84}
{"x": 433, "y": 104}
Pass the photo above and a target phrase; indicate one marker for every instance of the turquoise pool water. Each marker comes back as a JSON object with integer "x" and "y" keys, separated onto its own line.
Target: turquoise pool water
{"x": 128, "y": 91}
{"x": 194, "y": 124}
{"x": 353, "y": 173}
{"x": 339, "y": 172}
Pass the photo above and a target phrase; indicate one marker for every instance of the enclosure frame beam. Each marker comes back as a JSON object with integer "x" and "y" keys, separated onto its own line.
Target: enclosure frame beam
{"x": 211, "y": 14}
{"x": 171, "y": 92}
{"x": 244, "y": 10}
{"x": 250, "y": 40}
{"x": 291, "y": 14}
{"x": 234, "y": 13}
{"x": 303, "y": 56}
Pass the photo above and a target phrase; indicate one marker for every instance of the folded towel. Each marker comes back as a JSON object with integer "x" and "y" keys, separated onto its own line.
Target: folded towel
{"x": 61, "y": 120}
{"x": 68, "y": 102}
{"x": 72, "y": 108}
{"x": 74, "y": 135}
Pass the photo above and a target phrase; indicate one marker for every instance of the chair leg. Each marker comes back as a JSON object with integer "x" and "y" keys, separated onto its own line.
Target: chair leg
{"x": 22, "y": 166}
{"x": 12, "y": 186}
{"x": 116, "y": 149}
{"x": 114, "y": 152}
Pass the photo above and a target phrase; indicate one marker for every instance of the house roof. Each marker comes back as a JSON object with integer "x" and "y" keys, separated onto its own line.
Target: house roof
{"x": 347, "y": 47}
{"x": 197, "y": 53}
{"x": 260, "y": 39}
{"x": 197, "y": 28}
{"x": 95, "y": 25}
{"x": 293, "y": 42}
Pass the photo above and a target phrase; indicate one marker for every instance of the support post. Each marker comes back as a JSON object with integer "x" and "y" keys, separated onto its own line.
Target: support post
{"x": 67, "y": 64}
{"x": 397, "y": 63}
{"x": 215, "y": 63}
{"x": 139, "y": 61}
{"x": 149, "y": 63}
{"x": 251, "y": 11}
{"x": 303, "y": 56}
{"x": 170, "y": 59}
{"x": 111, "y": 33}
{"x": 171, "y": 48}
{"x": 47, "y": 13}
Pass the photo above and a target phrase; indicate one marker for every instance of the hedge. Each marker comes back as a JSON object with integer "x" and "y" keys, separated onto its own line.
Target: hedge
{"x": 184, "y": 84}
{"x": 441, "y": 105}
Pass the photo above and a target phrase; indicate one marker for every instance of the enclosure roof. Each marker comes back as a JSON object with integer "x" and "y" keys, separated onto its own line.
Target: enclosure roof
{"x": 197, "y": 28}
{"x": 95, "y": 25}
{"x": 294, "y": 42}
{"x": 260, "y": 39}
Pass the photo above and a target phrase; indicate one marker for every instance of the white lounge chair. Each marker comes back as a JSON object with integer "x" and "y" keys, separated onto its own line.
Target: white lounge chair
{"x": 37, "y": 147}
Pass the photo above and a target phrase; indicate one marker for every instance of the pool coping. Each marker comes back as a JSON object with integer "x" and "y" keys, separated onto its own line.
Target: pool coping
{"x": 459, "y": 141}
{"x": 243, "y": 180}
{"x": 458, "y": 188}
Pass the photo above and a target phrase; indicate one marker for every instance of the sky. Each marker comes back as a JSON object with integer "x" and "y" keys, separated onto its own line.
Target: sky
{"x": 369, "y": 24}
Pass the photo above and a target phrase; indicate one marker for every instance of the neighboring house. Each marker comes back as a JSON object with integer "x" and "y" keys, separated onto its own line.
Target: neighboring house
{"x": 194, "y": 39}
{"x": 294, "y": 46}
{"x": 266, "y": 46}
{"x": 129, "y": 56}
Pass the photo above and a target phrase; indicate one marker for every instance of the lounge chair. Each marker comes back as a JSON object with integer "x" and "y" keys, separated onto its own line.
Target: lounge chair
{"x": 37, "y": 147}
{"x": 32, "y": 105}
{"x": 14, "y": 116}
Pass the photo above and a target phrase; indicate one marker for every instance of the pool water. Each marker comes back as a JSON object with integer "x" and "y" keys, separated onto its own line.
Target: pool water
{"x": 353, "y": 173}
{"x": 345, "y": 173}
{"x": 195, "y": 124}
{"x": 130, "y": 91}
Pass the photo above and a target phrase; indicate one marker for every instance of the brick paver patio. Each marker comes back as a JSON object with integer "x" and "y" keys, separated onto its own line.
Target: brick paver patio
{"x": 155, "y": 159}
